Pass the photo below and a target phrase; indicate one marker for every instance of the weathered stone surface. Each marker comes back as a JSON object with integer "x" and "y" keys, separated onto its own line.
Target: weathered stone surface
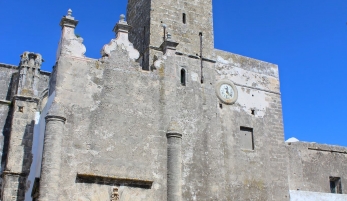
{"x": 124, "y": 127}
{"x": 311, "y": 164}
{"x": 20, "y": 95}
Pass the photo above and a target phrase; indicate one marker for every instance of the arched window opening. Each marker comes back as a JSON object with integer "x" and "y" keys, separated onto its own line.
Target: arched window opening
{"x": 184, "y": 18}
{"x": 183, "y": 77}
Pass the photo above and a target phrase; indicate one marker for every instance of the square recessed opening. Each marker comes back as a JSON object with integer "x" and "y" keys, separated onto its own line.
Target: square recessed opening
{"x": 335, "y": 185}
{"x": 246, "y": 138}
{"x": 20, "y": 109}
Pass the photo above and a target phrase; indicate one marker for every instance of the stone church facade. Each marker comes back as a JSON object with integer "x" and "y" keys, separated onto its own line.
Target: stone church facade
{"x": 162, "y": 115}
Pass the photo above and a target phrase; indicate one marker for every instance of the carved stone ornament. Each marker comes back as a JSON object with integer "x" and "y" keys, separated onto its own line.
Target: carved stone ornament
{"x": 24, "y": 59}
{"x": 122, "y": 41}
{"x": 115, "y": 194}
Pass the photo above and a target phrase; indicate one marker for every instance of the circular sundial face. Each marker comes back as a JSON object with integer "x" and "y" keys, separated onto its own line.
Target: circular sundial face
{"x": 226, "y": 91}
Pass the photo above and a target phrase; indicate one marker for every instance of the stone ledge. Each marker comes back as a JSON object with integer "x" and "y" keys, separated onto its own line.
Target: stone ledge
{"x": 113, "y": 180}
{"x": 26, "y": 98}
{"x": 14, "y": 173}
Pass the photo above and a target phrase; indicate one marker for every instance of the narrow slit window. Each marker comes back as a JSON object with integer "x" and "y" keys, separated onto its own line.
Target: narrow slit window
{"x": 184, "y": 18}
{"x": 183, "y": 77}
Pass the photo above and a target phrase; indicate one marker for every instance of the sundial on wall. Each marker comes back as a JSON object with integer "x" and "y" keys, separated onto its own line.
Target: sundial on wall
{"x": 226, "y": 91}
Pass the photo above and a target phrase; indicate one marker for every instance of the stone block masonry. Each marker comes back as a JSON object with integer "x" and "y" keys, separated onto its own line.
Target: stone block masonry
{"x": 20, "y": 96}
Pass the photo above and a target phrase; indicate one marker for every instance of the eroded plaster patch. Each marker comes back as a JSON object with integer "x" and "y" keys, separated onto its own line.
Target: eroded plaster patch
{"x": 248, "y": 78}
{"x": 250, "y": 99}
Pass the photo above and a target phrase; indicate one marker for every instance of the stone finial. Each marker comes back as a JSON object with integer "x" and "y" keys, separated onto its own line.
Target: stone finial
{"x": 68, "y": 20}
{"x": 122, "y": 25}
{"x": 122, "y": 18}
{"x": 69, "y": 13}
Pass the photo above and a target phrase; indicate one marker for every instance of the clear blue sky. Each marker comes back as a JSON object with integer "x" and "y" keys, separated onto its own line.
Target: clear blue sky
{"x": 307, "y": 39}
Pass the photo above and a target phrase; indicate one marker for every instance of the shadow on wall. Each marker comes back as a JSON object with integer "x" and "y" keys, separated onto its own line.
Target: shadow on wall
{"x": 11, "y": 86}
{"x": 27, "y": 157}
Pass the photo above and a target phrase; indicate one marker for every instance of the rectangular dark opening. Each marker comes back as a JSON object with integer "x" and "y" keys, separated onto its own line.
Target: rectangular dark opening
{"x": 184, "y": 18}
{"x": 20, "y": 108}
{"x": 246, "y": 138}
{"x": 335, "y": 185}
{"x": 183, "y": 77}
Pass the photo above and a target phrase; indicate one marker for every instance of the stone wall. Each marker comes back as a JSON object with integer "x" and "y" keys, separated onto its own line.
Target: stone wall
{"x": 118, "y": 116}
{"x": 311, "y": 165}
{"x": 138, "y": 16}
{"x": 198, "y": 19}
{"x": 17, "y": 115}
{"x": 259, "y": 174}
{"x": 116, "y": 128}
{"x": 148, "y": 16}
{"x": 6, "y": 72}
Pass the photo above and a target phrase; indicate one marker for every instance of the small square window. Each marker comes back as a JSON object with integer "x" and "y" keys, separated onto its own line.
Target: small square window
{"x": 20, "y": 109}
{"x": 335, "y": 185}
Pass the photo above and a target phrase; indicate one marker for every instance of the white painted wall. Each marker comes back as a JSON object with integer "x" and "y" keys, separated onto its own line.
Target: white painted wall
{"x": 314, "y": 196}
{"x": 37, "y": 148}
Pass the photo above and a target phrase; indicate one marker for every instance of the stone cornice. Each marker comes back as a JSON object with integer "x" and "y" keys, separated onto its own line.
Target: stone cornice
{"x": 26, "y": 98}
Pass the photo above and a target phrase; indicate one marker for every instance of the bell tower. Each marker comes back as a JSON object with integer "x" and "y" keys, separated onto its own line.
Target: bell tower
{"x": 185, "y": 20}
